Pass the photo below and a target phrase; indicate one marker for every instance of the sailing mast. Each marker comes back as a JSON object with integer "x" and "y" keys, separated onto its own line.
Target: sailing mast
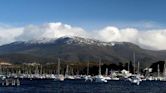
{"x": 158, "y": 70}
{"x": 36, "y": 70}
{"x": 87, "y": 73}
{"x": 67, "y": 70}
{"x": 58, "y": 69}
{"x": 100, "y": 67}
{"x": 134, "y": 61}
{"x": 138, "y": 67}
{"x": 106, "y": 72}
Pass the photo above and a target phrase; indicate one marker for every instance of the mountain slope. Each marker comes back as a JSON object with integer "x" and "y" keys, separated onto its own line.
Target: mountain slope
{"x": 76, "y": 49}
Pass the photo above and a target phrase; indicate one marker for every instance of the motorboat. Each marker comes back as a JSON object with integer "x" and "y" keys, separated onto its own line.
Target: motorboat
{"x": 135, "y": 79}
{"x": 100, "y": 79}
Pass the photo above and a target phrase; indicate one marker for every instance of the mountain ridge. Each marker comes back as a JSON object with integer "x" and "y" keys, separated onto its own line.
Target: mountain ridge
{"x": 77, "y": 49}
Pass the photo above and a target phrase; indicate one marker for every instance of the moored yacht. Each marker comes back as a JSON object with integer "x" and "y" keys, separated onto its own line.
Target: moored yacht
{"x": 135, "y": 79}
{"x": 99, "y": 78}
{"x": 88, "y": 77}
{"x": 106, "y": 75}
{"x": 67, "y": 76}
{"x": 59, "y": 77}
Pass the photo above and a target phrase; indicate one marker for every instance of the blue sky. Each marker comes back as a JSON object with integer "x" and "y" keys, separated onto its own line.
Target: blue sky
{"x": 89, "y": 14}
{"x": 142, "y": 22}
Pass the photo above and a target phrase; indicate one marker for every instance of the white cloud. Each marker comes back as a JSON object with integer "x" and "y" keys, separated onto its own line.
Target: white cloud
{"x": 7, "y": 35}
{"x": 50, "y": 30}
{"x": 149, "y": 39}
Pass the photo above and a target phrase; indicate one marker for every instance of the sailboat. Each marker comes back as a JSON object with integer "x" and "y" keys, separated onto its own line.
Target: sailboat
{"x": 158, "y": 73}
{"x": 106, "y": 75}
{"x": 135, "y": 78}
{"x": 67, "y": 76}
{"x": 59, "y": 77}
{"x": 88, "y": 77}
{"x": 99, "y": 78}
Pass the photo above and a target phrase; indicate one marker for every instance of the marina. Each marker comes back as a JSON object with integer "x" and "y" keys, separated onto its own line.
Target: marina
{"x": 15, "y": 79}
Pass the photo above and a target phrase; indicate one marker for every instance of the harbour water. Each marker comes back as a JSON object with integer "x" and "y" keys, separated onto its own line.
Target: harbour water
{"x": 80, "y": 86}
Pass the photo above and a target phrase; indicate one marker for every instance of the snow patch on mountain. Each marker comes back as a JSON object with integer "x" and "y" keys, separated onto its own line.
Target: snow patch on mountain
{"x": 72, "y": 40}
{"x": 88, "y": 41}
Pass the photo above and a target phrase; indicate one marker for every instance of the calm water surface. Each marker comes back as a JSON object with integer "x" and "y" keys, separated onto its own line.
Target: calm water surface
{"x": 79, "y": 86}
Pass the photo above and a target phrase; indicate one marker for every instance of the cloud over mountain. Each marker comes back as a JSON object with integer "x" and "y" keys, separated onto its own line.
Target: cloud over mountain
{"x": 50, "y": 30}
{"x": 149, "y": 39}
{"x": 9, "y": 34}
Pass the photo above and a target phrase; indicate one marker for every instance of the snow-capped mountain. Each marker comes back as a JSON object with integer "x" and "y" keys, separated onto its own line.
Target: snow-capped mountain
{"x": 77, "y": 49}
